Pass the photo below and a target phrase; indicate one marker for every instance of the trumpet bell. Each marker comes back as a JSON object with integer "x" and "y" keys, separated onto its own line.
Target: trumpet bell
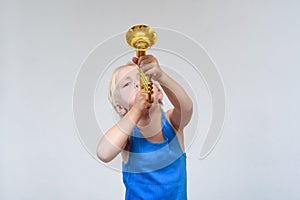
{"x": 141, "y": 37}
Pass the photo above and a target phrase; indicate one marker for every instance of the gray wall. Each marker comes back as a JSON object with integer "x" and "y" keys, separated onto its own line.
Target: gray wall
{"x": 254, "y": 44}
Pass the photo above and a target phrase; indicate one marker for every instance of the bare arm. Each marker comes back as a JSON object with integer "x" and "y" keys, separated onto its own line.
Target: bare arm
{"x": 183, "y": 105}
{"x": 181, "y": 114}
{"x": 116, "y": 138}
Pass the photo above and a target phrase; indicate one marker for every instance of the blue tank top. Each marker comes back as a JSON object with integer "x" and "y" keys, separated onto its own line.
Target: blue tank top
{"x": 155, "y": 170}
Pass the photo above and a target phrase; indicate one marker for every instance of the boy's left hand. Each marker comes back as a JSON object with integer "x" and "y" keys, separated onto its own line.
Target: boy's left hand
{"x": 149, "y": 65}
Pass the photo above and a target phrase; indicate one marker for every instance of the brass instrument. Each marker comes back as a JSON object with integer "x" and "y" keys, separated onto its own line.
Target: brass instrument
{"x": 141, "y": 37}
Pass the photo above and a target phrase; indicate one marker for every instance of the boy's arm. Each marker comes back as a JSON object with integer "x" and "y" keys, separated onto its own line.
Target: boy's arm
{"x": 116, "y": 138}
{"x": 181, "y": 114}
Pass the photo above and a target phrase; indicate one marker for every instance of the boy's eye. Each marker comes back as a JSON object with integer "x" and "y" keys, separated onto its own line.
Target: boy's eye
{"x": 126, "y": 84}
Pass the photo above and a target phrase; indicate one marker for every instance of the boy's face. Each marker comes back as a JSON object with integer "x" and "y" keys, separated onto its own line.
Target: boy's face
{"x": 128, "y": 84}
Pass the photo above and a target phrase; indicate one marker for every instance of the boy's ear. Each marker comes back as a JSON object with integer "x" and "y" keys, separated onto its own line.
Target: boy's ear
{"x": 120, "y": 109}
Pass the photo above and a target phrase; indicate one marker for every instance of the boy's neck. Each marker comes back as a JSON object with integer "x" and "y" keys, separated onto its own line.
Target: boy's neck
{"x": 150, "y": 123}
{"x": 149, "y": 116}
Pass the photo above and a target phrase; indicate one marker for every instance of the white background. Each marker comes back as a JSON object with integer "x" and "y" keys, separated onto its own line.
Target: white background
{"x": 255, "y": 45}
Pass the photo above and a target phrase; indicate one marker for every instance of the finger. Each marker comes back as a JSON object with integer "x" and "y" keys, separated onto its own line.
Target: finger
{"x": 146, "y": 61}
{"x": 150, "y": 72}
{"x": 142, "y": 91}
{"x": 143, "y": 95}
{"x": 142, "y": 58}
{"x": 135, "y": 60}
{"x": 148, "y": 105}
{"x": 146, "y": 67}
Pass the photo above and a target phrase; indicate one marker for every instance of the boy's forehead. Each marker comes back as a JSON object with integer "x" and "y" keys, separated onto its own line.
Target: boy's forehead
{"x": 126, "y": 72}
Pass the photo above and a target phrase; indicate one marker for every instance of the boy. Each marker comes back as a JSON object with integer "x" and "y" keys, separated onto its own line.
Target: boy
{"x": 150, "y": 141}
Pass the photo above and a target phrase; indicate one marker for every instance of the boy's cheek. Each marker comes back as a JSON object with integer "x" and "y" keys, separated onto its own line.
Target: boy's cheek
{"x": 132, "y": 99}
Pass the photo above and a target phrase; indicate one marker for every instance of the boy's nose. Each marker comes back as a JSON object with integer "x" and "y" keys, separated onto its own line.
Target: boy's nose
{"x": 137, "y": 85}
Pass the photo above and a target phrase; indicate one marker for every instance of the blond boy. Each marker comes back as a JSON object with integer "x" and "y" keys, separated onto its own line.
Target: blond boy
{"x": 150, "y": 140}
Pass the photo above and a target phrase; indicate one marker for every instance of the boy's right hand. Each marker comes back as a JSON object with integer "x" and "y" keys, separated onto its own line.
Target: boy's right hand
{"x": 141, "y": 105}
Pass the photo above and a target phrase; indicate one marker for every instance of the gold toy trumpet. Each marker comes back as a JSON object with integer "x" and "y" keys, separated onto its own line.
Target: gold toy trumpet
{"x": 141, "y": 37}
